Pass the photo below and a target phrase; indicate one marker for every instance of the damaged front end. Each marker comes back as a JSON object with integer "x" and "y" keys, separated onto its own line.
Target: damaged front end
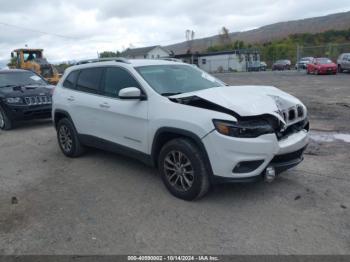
{"x": 283, "y": 123}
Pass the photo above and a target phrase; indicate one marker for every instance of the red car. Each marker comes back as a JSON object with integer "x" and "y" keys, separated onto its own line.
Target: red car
{"x": 322, "y": 66}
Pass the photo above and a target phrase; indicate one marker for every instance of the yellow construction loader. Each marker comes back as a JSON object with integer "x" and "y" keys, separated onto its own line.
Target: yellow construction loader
{"x": 33, "y": 59}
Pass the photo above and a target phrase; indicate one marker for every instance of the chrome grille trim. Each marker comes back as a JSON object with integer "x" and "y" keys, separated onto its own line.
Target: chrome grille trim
{"x": 38, "y": 100}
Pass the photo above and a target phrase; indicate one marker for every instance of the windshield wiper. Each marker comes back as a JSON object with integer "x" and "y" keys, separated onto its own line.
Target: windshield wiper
{"x": 171, "y": 94}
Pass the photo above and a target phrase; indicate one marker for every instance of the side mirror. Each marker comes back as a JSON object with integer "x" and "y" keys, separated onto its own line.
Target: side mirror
{"x": 131, "y": 93}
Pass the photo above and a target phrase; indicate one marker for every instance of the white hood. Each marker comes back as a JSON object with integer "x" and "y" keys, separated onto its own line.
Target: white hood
{"x": 248, "y": 100}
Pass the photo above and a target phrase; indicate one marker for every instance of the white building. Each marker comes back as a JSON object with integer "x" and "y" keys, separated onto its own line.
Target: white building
{"x": 150, "y": 52}
{"x": 230, "y": 61}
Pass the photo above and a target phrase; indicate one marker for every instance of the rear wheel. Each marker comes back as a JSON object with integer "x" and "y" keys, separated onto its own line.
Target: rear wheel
{"x": 68, "y": 139}
{"x": 5, "y": 122}
{"x": 183, "y": 169}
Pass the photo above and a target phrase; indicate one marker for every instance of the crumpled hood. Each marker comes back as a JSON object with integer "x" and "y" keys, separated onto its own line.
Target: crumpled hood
{"x": 247, "y": 100}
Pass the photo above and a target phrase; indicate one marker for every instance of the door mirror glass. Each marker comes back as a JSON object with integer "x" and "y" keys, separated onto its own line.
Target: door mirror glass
{"x": 131, "y": 93}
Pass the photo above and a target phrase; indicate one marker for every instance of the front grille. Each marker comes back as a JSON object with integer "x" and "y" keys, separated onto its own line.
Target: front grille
{"x": 292, "y": 114}
{"x": 295, "y": 128}
{"x": 38, "y": 100}
{"x": 300, "y": 111}
{"x": 288, "y": 157}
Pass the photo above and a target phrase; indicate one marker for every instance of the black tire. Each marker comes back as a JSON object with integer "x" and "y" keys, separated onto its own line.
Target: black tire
{"x": 340, "y": 70}
{"x": 197, "y": 173}
{"x": 5, "y": 122}
{"x": 68, "y": 140}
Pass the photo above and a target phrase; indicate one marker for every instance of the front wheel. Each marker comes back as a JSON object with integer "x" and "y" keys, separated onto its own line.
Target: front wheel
{"x": 68, "y": 139}
{"x": 340, "y": 70}
{"x": 183, "y": 169}
{"x": 5, "y": 122}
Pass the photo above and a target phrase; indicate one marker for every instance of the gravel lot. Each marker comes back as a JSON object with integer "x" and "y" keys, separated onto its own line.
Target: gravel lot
{"x": 108, "y": 204}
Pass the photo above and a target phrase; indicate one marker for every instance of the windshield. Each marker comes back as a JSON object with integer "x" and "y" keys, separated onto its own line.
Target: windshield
{"x": 323, "y": 61}
{"x": 177, "y": 79}
{"x": 306, "y": 59}
{"x": 20, "y": 79}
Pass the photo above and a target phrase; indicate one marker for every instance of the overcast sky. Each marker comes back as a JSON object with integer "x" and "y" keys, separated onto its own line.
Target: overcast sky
{"x": 89, "y": 27}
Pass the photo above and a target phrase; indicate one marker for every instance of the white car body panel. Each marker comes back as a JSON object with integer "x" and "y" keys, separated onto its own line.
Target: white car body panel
{"x": 247, "y": 100}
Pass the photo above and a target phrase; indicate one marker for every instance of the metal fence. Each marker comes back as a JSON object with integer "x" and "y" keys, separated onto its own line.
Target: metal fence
{"x": 331, "y": 50}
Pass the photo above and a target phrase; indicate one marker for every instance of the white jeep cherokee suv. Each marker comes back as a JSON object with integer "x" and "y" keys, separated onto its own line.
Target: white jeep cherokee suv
{"x": 194, "y": 128}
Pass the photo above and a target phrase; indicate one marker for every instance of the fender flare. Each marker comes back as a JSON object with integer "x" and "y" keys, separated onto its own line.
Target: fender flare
{"x": 183, "y": 133}
{"x": 63, "y": 112}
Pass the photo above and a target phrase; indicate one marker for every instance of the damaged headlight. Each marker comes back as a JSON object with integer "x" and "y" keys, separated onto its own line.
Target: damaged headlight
{"x": 243, "y": 129}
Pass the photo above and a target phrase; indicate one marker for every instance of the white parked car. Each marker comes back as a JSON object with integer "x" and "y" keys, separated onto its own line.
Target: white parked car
{"x": 343, "y": 62}
{"x": 173, "y": 116}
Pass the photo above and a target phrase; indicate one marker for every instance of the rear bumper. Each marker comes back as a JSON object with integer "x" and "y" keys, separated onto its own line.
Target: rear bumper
{"x": 24, "y": 112}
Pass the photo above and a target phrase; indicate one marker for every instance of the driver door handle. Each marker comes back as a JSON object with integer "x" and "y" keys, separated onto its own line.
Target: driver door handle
{"x": 105, "y": 105}
{"x": 71, "y": 98}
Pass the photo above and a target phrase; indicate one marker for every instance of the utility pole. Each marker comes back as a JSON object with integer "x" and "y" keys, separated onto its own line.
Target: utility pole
{"x": 298, "y": 57}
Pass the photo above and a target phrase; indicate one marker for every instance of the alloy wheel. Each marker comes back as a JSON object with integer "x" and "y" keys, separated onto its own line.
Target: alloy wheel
{"x": 65, "y": 138}
{"x": 179, "y": 170}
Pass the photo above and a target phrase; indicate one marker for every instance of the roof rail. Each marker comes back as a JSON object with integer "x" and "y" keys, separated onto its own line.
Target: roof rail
{"x": 97, "y": 60}
{"x": 172, "y": 59}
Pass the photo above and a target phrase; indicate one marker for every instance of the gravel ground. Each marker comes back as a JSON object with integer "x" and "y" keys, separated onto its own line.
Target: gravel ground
{"x": 103, "y": 203}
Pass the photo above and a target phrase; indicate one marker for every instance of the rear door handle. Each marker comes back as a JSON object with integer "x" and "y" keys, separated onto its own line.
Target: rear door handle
{"x": 70, "y": 98}
{"x": 105, "y": 105}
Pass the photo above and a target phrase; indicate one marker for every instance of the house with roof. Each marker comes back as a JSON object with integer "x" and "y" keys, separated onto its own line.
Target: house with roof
{"x": 224, "y": 61}
{"x": 150, "y": 52}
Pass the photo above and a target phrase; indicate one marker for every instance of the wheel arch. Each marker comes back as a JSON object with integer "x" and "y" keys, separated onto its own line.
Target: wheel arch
{"x": 60, "y": 114}
{"x": 165, "y": 134}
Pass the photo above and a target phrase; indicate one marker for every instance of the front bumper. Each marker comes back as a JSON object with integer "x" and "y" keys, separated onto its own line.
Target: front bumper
{"x": 25, "y": 112}
{"x": 225, "y": 153}
{"x": 325, "y": 71}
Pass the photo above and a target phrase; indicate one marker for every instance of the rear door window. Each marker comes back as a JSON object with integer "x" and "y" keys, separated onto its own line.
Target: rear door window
{"x": 89, "y": 80}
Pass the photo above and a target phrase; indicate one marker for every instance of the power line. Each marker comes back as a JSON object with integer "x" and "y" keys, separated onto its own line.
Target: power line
{"x": 75, "y": 38}
{"x": 36, "y": 31}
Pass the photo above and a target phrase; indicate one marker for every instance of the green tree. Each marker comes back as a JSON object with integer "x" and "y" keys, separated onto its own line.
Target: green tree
{"x": 106, "y": 54}
{"x": 12, "y": 63}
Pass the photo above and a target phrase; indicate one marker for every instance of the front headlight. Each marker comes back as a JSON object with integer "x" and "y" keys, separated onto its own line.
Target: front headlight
{"x": 243, "y": 129}
{"x": 14, "y": 100}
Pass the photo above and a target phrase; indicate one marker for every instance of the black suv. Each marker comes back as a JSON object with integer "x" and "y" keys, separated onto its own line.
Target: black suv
{"x": 24, "y": 95}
